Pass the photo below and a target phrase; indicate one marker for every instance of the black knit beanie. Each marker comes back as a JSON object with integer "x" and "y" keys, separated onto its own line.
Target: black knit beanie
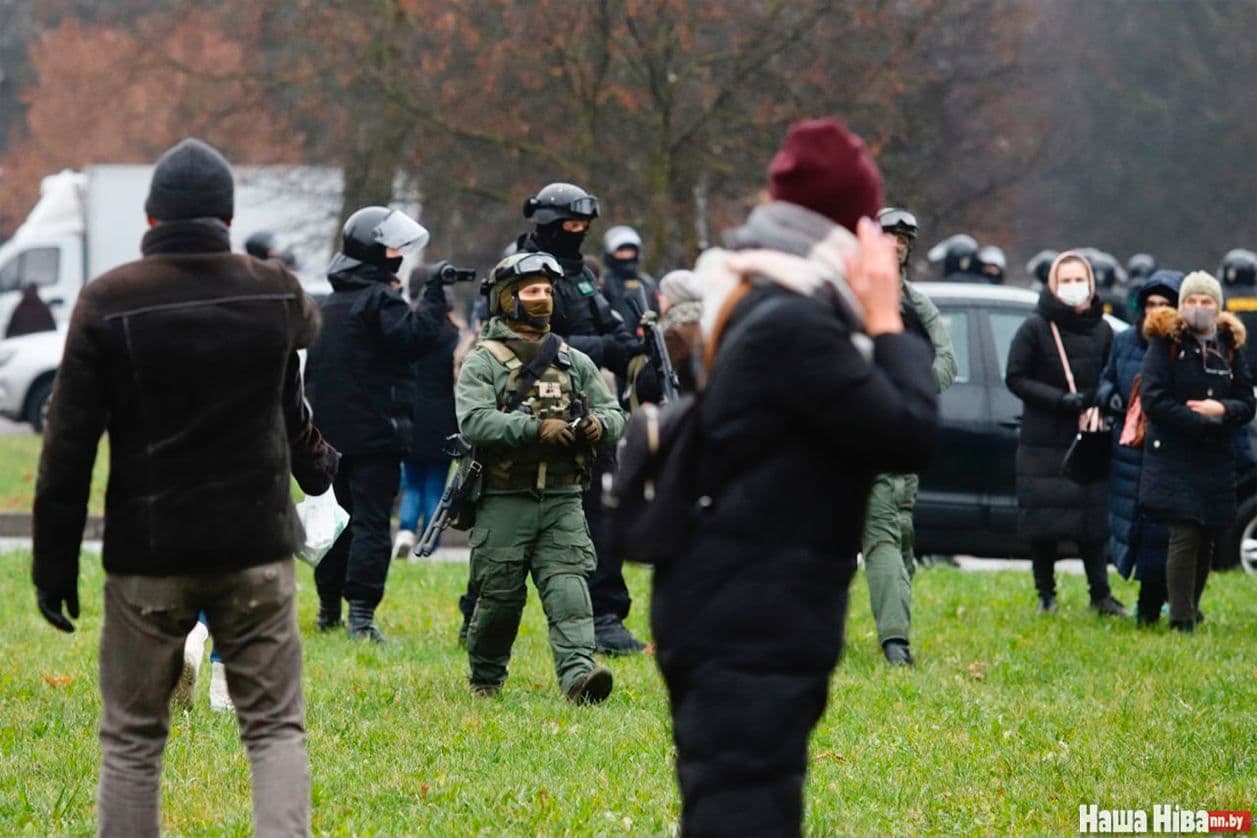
{"x": 191, "y": 180}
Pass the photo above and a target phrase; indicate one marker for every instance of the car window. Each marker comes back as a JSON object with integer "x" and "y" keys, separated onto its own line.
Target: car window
{"x": 40, "y": 266}
{"x": 957, "y": 323}
{"x": 10, "y": 272}
{"x": 1004, "y": 325}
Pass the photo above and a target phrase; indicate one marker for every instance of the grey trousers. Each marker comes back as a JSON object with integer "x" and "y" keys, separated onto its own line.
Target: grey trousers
{"x": 253, "y": 612}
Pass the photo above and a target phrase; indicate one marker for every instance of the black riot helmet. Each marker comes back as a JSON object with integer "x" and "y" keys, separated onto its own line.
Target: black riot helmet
{"x": 261, "y": 244}
{"x": 1040, "y": 265}
{"x": 898, "y": 221}
{"x": 1140, "y": 266}
{"x": 958, "y": 253}
{"x": 369, "y": 234}
{"x": 1106, "y": 269}
{"x": 993, "y": 264}
{"x": 1238, "y": 269}
{"x": 560, "y": 201}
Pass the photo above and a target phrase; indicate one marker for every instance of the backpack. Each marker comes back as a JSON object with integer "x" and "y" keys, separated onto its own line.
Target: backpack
{"x": 660, "y": 490}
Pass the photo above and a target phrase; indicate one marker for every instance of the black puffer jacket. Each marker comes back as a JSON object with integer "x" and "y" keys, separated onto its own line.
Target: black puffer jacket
{"x": 1053, "y": 507}
{"x": 359, "y": 375}
{"x": 1189, "y": 459}
{"x": 187, "y": 358}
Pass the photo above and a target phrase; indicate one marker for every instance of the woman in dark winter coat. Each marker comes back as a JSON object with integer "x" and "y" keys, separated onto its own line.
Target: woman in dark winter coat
{"x": 800, "y": 411}
{"x": 1196, "y": 389}
{"x": 1138, "y": 542}
{"x": 1055, "y": 509}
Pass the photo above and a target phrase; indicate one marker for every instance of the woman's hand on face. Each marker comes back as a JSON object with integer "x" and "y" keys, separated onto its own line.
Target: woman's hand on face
{"x": 873, "y": 276}
{"x": 1209, "y": 407}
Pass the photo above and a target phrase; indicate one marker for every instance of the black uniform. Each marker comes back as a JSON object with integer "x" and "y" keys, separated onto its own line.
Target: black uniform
{"x": 362, "y": 387}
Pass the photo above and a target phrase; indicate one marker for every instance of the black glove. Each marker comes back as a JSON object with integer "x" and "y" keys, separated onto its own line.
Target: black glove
{"x": 616, "y": 353}
{"x": 1073, "y": 402}
{"x": 50, "y": 605}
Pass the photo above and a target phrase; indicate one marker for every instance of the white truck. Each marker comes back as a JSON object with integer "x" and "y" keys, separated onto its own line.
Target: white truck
{"x": 89, "y": 222}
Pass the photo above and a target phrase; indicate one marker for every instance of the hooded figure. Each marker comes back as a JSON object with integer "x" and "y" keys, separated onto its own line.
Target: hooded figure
{"x": 1196, "y": 389}
{"x": 1054, "y": 509}
{"x": 1138, "y": 543}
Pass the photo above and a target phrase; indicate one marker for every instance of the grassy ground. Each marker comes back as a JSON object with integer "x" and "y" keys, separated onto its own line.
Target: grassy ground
{"x": 1009, "y": 722}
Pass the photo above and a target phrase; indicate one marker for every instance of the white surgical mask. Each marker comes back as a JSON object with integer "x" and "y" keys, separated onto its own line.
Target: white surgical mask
{"x": 1073, "y": 294}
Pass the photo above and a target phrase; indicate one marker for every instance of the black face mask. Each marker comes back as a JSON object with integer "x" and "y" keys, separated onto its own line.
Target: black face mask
{"x": 393, "y": 264}
{"x": 558, "y": 241}
{"x": 621, "y": 267}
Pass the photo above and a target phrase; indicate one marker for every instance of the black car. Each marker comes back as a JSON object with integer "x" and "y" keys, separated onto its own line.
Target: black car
{"x": 968, "y": 499}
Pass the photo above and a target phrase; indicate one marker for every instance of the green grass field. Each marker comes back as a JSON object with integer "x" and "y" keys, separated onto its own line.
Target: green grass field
{"x": 1009, "y": 722}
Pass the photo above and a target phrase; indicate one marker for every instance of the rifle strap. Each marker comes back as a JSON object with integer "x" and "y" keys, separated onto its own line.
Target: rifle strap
{"x": 531, "y": 372}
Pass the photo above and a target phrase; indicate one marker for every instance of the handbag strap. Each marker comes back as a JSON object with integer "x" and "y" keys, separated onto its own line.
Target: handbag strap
{"x": 1060, "y": 350}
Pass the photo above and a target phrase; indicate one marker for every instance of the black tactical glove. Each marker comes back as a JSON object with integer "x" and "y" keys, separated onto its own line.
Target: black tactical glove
{"x": 50, "y": 605}
{"x": 616, "y": 353}
{"x": 1073, "y": 402}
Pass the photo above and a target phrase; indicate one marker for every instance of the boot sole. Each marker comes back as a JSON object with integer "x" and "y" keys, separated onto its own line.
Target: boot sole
{"x": 596, "y": 689}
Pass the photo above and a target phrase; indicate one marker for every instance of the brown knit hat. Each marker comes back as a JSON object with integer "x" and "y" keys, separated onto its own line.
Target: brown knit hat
{"x": 824, "y": 167}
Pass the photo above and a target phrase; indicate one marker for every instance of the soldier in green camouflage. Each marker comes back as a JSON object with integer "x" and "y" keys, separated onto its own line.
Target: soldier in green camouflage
{"x": 888, "y": 529}
{"x": 536, "y": 410}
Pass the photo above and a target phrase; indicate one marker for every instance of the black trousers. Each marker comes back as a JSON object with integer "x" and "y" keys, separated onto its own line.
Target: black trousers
{"x": 1187, "y": 565}
{"x": 747, "y": 638}
{"x": 356, "y": 567}
{"x": 1043, "y": 561}
{"x": 608, "y": 591}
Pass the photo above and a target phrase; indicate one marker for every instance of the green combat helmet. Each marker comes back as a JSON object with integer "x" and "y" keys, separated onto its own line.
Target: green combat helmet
{"x": 513, "y": 268}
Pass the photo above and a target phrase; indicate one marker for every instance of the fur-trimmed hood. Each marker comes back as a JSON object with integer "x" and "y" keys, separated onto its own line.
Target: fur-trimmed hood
{"x": 1168, "y": 324}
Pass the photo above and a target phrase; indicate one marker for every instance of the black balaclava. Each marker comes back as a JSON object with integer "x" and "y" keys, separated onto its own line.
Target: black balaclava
{"x": 555, "y": 240}
{"x": 622, "y": 267}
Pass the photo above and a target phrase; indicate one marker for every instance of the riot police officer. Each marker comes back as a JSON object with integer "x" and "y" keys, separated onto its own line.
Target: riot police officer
{"x": 519, "y": 401}
{"x": 562, "y": 213}
{"x": 361, "y": 386}
{"x": 959, "y": 257}
{"x": 630, "y": 291}
{"x": 1039, "y": 267}
{"x": 888, "y": 538}
{"x": 264, "y": 245}
{"x": 1109, "y": 279}
{"x": 1238, "y": 275}
{"x": 992, "y": 264}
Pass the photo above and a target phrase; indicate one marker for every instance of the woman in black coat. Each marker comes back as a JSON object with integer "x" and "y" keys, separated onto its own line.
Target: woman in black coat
{"x": 1055, "y": 509}
{"x": 1196, "y": 390}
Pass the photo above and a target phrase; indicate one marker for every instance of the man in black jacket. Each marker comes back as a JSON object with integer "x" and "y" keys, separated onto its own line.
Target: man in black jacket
{"x": 187, "y": 358}
{"x": 361, "y": 384}
{"x": 816, "y": 389}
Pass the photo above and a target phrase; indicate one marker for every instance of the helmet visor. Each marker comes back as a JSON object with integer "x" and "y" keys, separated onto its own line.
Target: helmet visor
{"x": 586, "y": 207}
{"x": 400, "y": 231}
{"x": 898, "y": 221}
{"x": 537, "y": 263}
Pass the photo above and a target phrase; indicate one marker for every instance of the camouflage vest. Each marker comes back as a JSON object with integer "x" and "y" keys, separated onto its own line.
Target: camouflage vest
{"x": 535, "y": 466}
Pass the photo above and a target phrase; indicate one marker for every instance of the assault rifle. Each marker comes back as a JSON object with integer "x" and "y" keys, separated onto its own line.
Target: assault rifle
{"x": 657, "y": 350}
{"x": 457, "y": 507}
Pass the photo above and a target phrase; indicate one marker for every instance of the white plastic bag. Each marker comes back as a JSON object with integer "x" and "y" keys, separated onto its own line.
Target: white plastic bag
{"x": 324, "y": 520}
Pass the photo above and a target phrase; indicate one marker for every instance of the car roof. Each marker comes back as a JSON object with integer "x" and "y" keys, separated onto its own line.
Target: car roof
{"x": 981, "y": 292}
{"x": 977, "y": 291}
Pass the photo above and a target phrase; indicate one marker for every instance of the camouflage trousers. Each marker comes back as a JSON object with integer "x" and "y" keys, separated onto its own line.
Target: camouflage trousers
{"x": 887, "y": 548}
{"x": 545, "y": 535}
